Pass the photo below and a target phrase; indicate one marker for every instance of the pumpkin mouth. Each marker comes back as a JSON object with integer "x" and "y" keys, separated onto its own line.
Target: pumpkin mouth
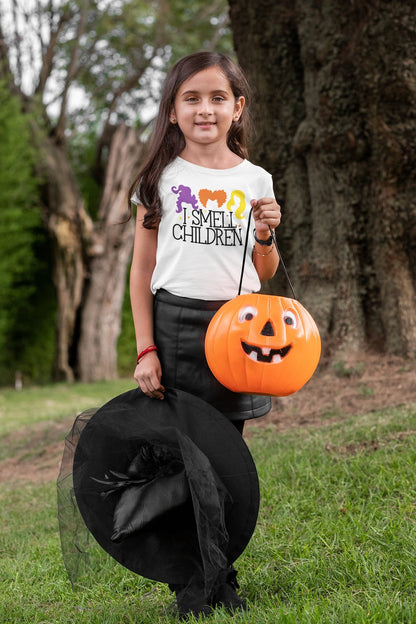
{"x": 265, "y": 354}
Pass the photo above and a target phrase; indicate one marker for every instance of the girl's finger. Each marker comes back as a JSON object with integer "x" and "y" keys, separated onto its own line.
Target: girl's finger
{"x": 152, "y": 387}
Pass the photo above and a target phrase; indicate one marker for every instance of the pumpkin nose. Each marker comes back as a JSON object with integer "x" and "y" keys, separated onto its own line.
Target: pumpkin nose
{"x": 267, "y": 330}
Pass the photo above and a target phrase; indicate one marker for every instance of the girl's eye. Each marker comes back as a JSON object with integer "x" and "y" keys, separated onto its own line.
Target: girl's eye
{"x": 290, "y": 319}
{"x": 218, "y": 98}
{"x": 247, "y": 314}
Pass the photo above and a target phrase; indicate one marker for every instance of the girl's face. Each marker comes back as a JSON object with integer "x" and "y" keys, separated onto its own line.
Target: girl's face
{"x": 205, "y": 107}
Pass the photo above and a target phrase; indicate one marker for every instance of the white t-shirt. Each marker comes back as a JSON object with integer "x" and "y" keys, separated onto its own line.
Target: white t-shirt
{"x": 203, "y": 227}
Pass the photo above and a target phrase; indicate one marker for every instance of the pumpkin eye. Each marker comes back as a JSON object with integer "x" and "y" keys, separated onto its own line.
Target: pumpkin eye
{"x": 247, "y": 314}
{"x": 290, "y": 319}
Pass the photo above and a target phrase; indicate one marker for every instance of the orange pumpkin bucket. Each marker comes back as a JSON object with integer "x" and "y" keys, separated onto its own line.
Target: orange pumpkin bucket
{"x": 263, "y": 344}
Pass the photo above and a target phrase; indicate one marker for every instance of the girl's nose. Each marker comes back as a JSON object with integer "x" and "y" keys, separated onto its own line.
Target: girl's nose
{"x": 205, "y": 107}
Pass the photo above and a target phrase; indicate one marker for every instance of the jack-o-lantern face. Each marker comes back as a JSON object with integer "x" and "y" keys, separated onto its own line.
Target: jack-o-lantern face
{"x": 261, "y": 344}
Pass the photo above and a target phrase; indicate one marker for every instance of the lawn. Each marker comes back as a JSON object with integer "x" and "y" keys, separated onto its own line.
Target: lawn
{"x": 335, "y": 540}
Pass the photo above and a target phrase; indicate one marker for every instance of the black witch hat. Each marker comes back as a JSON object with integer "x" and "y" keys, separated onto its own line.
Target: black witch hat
{"x": 168, "y": 488}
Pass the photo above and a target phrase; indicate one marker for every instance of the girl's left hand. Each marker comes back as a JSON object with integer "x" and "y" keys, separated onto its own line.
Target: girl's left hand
{"x": 266, "y": 212}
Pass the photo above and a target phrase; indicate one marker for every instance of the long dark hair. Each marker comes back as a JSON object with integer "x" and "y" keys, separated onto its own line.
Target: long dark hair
{"x": 168, "y": 141}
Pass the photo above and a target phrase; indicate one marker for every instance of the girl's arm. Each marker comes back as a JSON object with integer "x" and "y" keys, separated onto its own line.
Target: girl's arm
{"x": 148, "y": 372}
{"x": 266, "y": 212}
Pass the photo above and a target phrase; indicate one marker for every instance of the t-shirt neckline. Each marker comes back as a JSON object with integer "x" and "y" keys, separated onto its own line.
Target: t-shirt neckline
{"x": 209, "y": 170}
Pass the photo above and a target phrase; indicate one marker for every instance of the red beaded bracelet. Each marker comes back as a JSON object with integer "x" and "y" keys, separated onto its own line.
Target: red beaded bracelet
{"x": 145, "y": 351}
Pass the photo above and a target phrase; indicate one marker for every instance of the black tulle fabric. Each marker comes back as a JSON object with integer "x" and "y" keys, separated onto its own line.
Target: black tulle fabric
{"x": 76, "y": 540}
{"x": 168, "y": 488}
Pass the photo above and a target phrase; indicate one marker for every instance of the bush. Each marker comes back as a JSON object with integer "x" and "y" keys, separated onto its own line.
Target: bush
{"x": 27, "y": 299}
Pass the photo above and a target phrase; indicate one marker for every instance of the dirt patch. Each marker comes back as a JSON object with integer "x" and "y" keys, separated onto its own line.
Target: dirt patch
{"x": 361, "y": 385}
{"x": 368, "y": 445}
{"x": 338, "y": 391}
{"x": 37, "y": 453}
{"x": 38, "y": 469}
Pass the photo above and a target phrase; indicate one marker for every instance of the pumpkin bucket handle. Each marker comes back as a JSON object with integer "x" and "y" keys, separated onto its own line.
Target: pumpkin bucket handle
{"x": 273, "y": 235}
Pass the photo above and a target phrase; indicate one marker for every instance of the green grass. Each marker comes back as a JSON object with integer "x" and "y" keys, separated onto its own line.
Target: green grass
{"x": 335, "y": 540}
{"x": 54, "y": 401}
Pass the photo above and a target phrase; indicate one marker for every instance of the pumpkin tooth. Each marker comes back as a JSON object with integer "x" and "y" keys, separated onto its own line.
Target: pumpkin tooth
{"x": 266, "y": 350}
{"x": 276, "y": 359}
{"x": 253, "y": 356}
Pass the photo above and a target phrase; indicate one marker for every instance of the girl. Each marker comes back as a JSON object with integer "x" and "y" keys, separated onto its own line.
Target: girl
{"x": 194, "y": 195}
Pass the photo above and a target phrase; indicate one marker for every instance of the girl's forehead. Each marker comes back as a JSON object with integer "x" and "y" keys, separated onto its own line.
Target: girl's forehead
{"x": 210, "y": 79}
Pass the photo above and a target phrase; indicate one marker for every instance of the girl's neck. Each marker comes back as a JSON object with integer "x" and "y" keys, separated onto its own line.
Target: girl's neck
{"x": 211, "y": 157}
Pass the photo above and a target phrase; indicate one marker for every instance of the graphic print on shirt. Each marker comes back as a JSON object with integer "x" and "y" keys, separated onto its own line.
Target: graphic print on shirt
{"x": 185, "y": 196}
{"x": 218, "y": 196}
{"x": 205, "y": 222}
{"x": 239, "y": 213}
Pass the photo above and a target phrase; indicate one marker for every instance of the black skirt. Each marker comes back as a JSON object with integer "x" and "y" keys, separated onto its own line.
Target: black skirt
{"x": 180, "y": 325}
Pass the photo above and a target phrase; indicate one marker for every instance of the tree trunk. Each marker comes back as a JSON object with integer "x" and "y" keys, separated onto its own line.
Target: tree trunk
{"x": 70, "y": 227}
{"x": 105, "y": 287}
{"x": 90, "y": 259}
{"x": 334, "y": 106}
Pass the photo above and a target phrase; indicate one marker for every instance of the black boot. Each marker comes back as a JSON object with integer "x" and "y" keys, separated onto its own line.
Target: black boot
{"x": 225, "y": 594}
{"x": 191, "y": 600}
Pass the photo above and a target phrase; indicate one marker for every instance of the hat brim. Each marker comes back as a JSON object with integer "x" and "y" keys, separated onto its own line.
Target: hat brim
{"x": 167, "y": 549}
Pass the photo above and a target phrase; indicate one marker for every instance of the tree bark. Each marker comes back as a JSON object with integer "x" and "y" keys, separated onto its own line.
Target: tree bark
{"x": 70, "y": 227}
{"x": 90, "y": 258}
{"x": 334, "y": 106}
{"x": 109, "y": 260}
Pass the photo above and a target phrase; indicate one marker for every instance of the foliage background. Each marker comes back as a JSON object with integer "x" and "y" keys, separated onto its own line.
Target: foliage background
{"x": 120, "y": 61}
{"x": 26, "y": 291}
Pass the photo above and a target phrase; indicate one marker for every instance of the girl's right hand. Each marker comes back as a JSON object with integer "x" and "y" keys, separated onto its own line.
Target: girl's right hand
{"x": 148, "y": 375}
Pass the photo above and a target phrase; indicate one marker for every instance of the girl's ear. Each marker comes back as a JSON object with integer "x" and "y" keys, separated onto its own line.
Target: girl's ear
{"x": 238, "y": 109}
{"x": 172, "y": 117}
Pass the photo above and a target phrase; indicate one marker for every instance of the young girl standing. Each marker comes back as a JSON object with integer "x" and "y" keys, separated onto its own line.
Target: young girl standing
{"x": 194, "y": 195}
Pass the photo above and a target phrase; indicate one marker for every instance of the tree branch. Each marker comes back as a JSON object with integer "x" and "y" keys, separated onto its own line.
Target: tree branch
{"x": 48, "y": 54}
{"x": 5, "y": 70}
{"x": 217, "y": 34}
{"x": 129, "y": 84}
{"x": 17, "y": 42}
{"x": 72, "y": 70}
